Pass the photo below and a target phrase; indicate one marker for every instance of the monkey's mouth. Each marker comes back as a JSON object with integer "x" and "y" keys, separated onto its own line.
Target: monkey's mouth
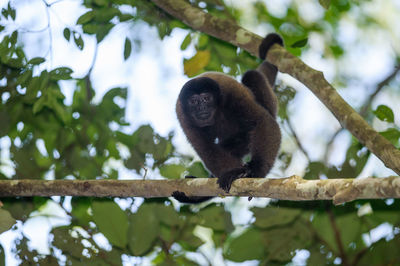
{"x": 203, "y": 115}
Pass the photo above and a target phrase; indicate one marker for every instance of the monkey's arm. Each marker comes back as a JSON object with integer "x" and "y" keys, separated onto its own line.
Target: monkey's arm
{"x": 216, "y": 159}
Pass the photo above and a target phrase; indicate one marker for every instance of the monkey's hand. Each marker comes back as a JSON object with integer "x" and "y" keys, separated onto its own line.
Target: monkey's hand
{"x": 225, "y": 180}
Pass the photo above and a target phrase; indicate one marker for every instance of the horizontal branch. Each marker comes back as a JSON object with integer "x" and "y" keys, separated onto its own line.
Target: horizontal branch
{"x": 292, "y": 188}
{"x": 229, "y": 31}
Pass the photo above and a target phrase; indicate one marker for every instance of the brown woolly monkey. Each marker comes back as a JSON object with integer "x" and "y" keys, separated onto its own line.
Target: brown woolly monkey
{"x": 225, "y": 120}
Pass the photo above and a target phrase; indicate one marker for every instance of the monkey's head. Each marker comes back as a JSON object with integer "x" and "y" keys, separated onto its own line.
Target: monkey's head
{"x": 200, "y": 98}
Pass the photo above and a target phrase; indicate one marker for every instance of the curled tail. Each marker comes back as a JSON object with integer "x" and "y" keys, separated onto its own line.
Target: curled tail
{"x": 267, "y": 42}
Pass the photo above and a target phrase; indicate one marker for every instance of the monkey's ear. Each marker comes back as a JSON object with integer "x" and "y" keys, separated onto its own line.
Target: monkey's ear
{"x": 267, "y": 42}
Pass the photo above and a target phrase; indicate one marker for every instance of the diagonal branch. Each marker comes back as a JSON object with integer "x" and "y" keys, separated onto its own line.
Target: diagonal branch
{"x": 226, "y": 30}
{"x": 292, "y": 188}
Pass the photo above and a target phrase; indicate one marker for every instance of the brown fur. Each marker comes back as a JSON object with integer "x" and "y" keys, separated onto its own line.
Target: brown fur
{"x": 241, "y": 117}
{"x": 245, "y": 123}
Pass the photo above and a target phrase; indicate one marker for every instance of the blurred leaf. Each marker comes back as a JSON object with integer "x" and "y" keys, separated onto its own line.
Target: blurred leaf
{"x": 68, "y": 245}
{"x": 6, "y": 221}
{"x": 20, "y": 209}
{"x": 2, "y": 256}
{"x": 80, "y": 210}
{"x": 78, "y": 41}
{"x": 186, "y": 42}
{"x": 36, "y": 61}
{"x": 323, "y": 228}
{"x": 67, "y": 34}
{"x": 61, "y": 73}
{"x": 282, "y": 242}
{"x": 111, "y": 221}
{"x": 300, "y": 43}
{"x": 393, "y": 135}
{"x": 215, "y": 217}
{"x": 193, "y": 65}
{"x": 127, "y": 48}
{"x": 172, "y": 171}
{"x": 143, "y": 230}
{"x": 383, "y": 252}
{"x": 384, "y": 113}
{"x": 314, "y": 170}
{"x": 247, "y": 246}
{"x": 325, "y": 3}
{"x": 270, "y": 216}
{"x": 85, "y": 18}
{"x": 197, "y": 169}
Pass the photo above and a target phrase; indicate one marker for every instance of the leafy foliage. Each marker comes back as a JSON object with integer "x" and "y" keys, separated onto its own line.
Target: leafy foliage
{"x": 50, "y": 138}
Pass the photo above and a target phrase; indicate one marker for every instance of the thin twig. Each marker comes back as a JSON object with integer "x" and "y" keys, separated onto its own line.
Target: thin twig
{"x": 338, "y": 238}
{"x": 296, "y": 139}
{"x": 378, "y": 88}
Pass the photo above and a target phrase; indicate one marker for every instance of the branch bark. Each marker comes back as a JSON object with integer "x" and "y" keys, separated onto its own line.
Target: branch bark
{"x": 291, "y": 188}
{"x": 226, "y": 30}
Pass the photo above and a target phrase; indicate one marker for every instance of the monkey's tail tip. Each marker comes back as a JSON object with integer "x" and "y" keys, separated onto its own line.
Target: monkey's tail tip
{"x": 267, "y": 42}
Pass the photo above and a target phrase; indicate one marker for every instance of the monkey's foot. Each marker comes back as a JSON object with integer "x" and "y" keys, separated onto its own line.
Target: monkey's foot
{"x": 190, "y": 176}
{"x": 181, "y": 197}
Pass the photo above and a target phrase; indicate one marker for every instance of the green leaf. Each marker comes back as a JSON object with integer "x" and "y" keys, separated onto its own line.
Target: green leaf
{"x": 111, "y": 221}
{"x": 215, "y": 217}
{"x": 300, "y": 43}
{"x": 127, "y": 48}
{"x": 11, "y": 11}
{"x": 78, "y": 41}
{"x": 383, "y": 253}
{"x": 38, "y": 105}
{"x": 323, "y": 227}
{"x": 143, "y": 230}
{"x": 90, "y": 28}
{"x": 273, "y": 216}
{"x": 85, "y": 18}
{"x": 103, "y": 30}
{"x": 61, "y": 73}
{"x": 193, "y": 65}
{"x": 36, "y": 61}
{"x": 247, "y": 246}
{"x": 325, "y": 3}
{"x": 67, "y": 34}
{"x": 6, "y": 221}
{"x": 80, "y": 210}
{"x": 186, "y": 41}
{"x": 101, "y": 2}
{"x": 172, "y": 171}
{"x": 391, "y": 134}
{"x": 162, "y": 150}
{"x": 384, "y": 113}
{"x": 197, "y": 169}
{"x": 281, "y": 243}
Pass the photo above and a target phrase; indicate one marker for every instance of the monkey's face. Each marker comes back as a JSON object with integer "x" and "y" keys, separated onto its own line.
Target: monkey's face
{"x": 202, "y": 108}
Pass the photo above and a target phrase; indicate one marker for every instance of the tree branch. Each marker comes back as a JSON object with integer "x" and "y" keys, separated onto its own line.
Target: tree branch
{"x": 226, "y": 30}
{"x": 292, "y": 188}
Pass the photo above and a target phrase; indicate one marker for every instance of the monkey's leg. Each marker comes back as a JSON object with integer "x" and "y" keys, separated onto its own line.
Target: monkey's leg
{"x": 263, "y": 93}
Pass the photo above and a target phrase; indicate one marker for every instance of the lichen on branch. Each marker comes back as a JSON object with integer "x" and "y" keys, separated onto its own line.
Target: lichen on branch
{"x": 291, "y": 188}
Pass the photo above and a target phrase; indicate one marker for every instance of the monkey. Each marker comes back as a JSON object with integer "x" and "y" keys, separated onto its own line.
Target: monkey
{"x": 225, "y": 120}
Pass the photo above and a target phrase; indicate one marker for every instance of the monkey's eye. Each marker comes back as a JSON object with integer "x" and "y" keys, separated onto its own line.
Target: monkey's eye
{"x": 206, "y": 97}
{"x": 193, "y": 100}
